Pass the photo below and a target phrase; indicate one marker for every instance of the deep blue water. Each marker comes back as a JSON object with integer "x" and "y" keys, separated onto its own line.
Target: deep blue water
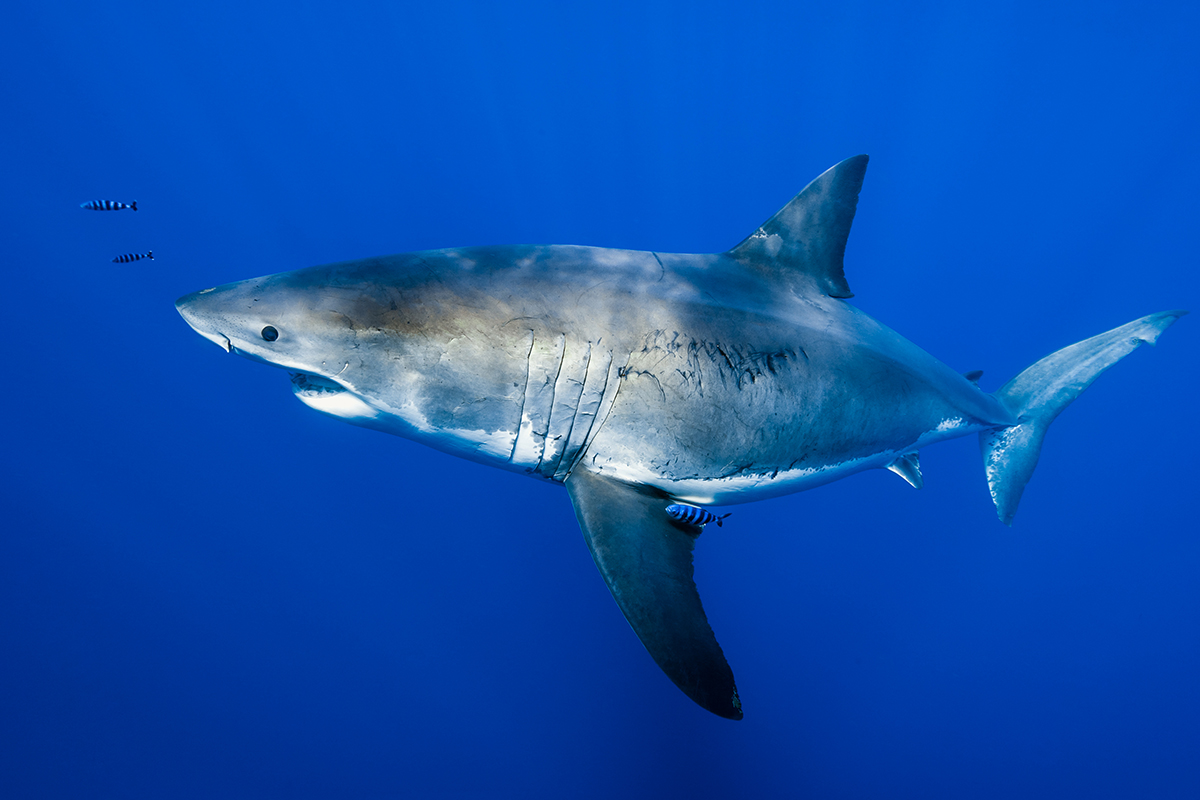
{"x": 208, "y": 590}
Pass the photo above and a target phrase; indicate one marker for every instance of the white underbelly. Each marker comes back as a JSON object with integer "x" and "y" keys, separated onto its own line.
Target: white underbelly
{"x": 750, "y": 486}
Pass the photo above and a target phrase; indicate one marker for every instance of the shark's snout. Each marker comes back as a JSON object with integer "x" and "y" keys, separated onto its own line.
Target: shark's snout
{"x": 191, "y": 308}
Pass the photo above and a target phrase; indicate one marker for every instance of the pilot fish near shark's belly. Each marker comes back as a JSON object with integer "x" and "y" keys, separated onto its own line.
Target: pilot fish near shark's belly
{"x": 647, "y": 381}
{"x": 691, "y": 515}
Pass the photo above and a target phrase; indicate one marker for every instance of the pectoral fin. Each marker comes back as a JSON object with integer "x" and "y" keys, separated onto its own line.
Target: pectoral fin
{"x": 646, "y": 558}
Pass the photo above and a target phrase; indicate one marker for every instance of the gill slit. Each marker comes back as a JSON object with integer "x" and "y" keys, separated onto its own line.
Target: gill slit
{"x": 603, "y": 409}
{"x": 524, "y": 395}
{"x": 562, "y": 357}
{"x": 587, "y": 370}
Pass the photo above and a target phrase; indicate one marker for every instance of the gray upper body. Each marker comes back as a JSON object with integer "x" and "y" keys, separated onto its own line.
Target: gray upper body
{"x": 640, "y": 379}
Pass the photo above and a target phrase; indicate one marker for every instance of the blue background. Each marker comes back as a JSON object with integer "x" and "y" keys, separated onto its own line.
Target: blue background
{"x": 207, "y": 589}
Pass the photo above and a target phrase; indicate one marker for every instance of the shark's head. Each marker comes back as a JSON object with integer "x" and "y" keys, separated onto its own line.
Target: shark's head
{"x": 390, "y": 343}
{"x": 299, "y": 322}
{"x": 259, "y": 321}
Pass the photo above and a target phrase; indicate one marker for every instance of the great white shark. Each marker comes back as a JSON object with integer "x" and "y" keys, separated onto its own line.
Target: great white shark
{"x": 643, "y": 379}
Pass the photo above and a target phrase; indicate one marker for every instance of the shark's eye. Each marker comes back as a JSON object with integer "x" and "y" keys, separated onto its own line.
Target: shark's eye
{"x": 270, "y": 334}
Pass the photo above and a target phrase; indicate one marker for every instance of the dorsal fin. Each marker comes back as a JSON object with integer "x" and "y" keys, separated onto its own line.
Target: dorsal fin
{"x": 973, "y": 376}
{"x": 808, "y": 235}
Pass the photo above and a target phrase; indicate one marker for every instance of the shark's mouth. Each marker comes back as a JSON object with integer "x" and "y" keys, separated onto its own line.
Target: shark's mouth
{"x": 330, "y": 398}
{"x": 305, "y": 385}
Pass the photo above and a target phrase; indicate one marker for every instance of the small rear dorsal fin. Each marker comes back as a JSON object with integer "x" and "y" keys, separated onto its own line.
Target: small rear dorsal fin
{"x": 808, "y": 235}
{"x": 908, "y": 466}
{"x": 973, "y": 376}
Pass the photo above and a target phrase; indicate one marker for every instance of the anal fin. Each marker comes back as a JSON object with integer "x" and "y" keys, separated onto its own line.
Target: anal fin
{"x": 908, "y": 466}
{"x": 646, "y": 559}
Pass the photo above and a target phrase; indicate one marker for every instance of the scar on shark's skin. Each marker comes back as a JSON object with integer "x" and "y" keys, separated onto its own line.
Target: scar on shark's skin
{"x": 674, "y": 381}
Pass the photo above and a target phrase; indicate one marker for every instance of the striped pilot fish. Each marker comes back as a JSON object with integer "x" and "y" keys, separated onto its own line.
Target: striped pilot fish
{"x": 693, "y": 515}
{"x": 107, "y": 205}
{"x": 125, "y": 259}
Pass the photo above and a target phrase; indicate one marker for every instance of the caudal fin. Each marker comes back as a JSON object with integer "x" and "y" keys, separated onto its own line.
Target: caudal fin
{"x": 1040, "y": 393}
